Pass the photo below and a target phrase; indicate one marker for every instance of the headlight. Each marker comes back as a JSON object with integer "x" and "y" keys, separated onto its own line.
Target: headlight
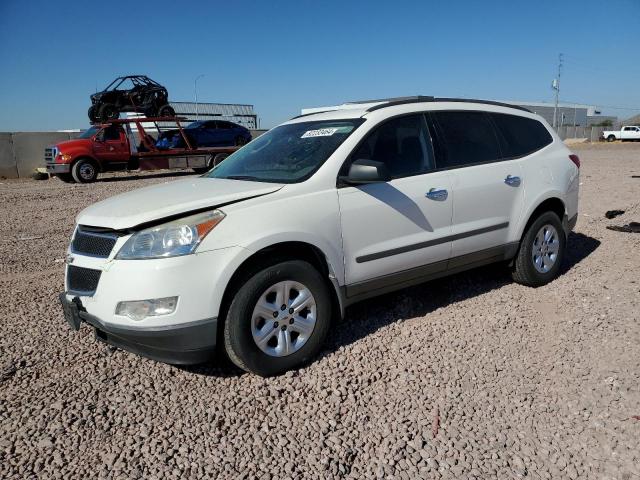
{"x": 179, "y": 237}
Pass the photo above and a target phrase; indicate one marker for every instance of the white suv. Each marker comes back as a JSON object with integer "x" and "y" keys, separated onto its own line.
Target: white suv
{"x": 262, "y": 252}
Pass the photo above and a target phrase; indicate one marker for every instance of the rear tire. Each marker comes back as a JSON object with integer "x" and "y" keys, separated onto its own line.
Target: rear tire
{"x": 297, "y": 335}
{"x": 611, "y": 138}
{"x": 66, "y": 177}
{"x": 84, "y": 171}
{"x": 217, "y": 160}
{"x": 541, "y": 252}
{"x": 211, "y": 163}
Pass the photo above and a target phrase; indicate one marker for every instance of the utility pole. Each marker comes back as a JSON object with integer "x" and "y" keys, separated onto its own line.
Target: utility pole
{"x": 556, "y": 86}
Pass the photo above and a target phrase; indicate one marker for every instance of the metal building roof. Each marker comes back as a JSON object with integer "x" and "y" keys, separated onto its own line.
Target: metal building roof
{"x": 222, "y": 109}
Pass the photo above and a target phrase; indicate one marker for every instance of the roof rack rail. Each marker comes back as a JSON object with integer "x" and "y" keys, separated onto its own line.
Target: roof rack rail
{"x": 486, "y": 102}
{"x": 390, "y": 102}
{"x": 310, "y": 113}
{"x": 420, "y": 98}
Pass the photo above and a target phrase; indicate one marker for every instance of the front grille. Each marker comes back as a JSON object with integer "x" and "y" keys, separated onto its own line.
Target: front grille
{"x": 83, "y": 281}
{"x": 50, "y": 154}
{"x": 93, "y": 242}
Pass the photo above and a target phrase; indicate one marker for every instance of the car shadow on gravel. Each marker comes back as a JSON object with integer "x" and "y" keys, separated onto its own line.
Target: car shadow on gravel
{"x": 367, "y": 317}
{"x": 579, "y": 247}
{"x": 121, "y": 178}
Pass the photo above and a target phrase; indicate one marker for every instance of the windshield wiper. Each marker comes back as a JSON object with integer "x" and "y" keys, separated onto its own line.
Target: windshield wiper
{"x": 241, "y": 177}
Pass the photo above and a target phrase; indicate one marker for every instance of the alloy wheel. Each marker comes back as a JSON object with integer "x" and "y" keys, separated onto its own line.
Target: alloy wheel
{"x": 283, "y": 318}
{"x": 546, "y": 246}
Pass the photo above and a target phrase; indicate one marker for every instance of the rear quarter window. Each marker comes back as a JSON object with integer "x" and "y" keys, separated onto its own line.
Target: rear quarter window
{"x": 520, "y": 136}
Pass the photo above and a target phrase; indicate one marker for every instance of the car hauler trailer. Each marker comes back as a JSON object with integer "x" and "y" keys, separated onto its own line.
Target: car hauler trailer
{"x": 114, "y": 145}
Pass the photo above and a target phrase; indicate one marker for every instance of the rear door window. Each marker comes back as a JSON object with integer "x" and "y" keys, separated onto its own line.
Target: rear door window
{"x": 520, "y": 136}
{"x": 466, "y": 138}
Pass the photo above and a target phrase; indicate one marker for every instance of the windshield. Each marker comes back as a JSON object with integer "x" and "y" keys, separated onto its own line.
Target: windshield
{"x": 288, "y": 153}
{"x": 196, "y": 124}
{"x": 89, "y": 133}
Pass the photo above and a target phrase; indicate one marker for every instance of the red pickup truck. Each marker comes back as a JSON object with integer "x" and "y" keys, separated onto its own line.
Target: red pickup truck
{"x": 113, "y": 146}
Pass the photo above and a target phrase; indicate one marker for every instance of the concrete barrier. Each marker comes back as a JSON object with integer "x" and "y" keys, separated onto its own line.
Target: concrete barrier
{"x": 28, "y": 148}
{"x": 8, "y": 167}
{"x": 22, "y": 152}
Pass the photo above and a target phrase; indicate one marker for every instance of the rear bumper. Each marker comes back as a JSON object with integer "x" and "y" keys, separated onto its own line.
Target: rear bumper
{"x": 58, "y": 168}
{"x": 182, "y": 344}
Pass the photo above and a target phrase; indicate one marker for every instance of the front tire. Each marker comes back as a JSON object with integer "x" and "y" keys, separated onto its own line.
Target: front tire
{"x": 541, "y": 252}
{"x": 93, "y": 114}
{"x": 262, "y": 337}
{"x": 84, "y": 171}
{"x": 108, "y": 111}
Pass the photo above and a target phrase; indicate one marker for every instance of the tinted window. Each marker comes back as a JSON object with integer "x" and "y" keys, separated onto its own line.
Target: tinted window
{"x": 467, "y": 138}
{"x": 225, "y": 125}
{"x": 519, "y": 135}
{"x": 112, "y": 133}
{"x": 402, "y": 144}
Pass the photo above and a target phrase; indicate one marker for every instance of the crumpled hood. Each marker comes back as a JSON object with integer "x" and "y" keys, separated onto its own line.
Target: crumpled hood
{"x": 156, "y": 202}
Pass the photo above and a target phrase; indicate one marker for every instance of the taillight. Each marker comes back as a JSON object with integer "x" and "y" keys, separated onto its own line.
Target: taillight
{"x": 575, "y": 159}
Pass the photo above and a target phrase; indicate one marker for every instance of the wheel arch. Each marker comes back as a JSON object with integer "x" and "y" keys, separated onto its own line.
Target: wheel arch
{"x": 552, "y": 203}
{"x": 96, "y": 162}
{"x": 282, "y": 251}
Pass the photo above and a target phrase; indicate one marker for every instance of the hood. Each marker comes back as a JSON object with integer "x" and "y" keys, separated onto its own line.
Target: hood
{"x": 156, "y": 202}
{"x": 69, "y": 146}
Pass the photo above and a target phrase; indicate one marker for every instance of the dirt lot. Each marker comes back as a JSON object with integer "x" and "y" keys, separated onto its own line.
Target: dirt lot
{"x": 468, "y": 377}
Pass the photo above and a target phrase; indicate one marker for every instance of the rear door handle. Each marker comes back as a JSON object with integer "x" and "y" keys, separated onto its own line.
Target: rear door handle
{"x": 437, "y": 194}
{"x": 513, "y": 181}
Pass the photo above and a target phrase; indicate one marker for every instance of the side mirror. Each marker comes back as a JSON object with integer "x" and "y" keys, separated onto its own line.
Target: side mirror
{"x": 367, "y": 171}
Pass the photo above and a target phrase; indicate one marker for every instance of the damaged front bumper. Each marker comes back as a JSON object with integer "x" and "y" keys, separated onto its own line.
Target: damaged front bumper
{"x": 182, "y": 344}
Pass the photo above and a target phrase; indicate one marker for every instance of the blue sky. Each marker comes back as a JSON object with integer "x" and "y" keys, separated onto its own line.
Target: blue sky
{"x": 284, "y": 55}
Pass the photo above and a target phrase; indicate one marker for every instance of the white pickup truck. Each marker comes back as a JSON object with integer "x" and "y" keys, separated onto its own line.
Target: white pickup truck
{"x": 628, "y": 132}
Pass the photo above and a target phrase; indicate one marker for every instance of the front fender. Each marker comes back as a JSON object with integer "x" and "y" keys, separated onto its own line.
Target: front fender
{"x": 332, "y": 253}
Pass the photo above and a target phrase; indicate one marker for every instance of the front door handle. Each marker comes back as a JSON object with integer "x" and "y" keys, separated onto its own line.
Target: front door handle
{"x": 437, "y": 194}
{"x": 513, "y": 181}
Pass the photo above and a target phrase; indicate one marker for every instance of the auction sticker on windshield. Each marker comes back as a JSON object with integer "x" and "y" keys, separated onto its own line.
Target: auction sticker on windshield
{"x": 321, "y": 132}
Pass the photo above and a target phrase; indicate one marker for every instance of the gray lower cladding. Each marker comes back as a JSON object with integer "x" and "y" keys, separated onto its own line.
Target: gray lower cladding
{"x": 58, "y": 168}
{"x": 430, "y": 243}
{"x": 413, "y": 276}
{"x": 184, "y": 344}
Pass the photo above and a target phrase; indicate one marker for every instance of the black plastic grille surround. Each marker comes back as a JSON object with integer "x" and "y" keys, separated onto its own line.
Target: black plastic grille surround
{"x": 93, "y": 242}
{"x": 82, "y": 280}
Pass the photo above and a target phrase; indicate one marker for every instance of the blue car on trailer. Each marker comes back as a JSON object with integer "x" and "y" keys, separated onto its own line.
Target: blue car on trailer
{"x": 206, "y": 133}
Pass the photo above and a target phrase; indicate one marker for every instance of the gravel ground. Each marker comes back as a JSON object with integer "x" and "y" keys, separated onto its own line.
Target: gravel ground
{"x": 468, "y": 377}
